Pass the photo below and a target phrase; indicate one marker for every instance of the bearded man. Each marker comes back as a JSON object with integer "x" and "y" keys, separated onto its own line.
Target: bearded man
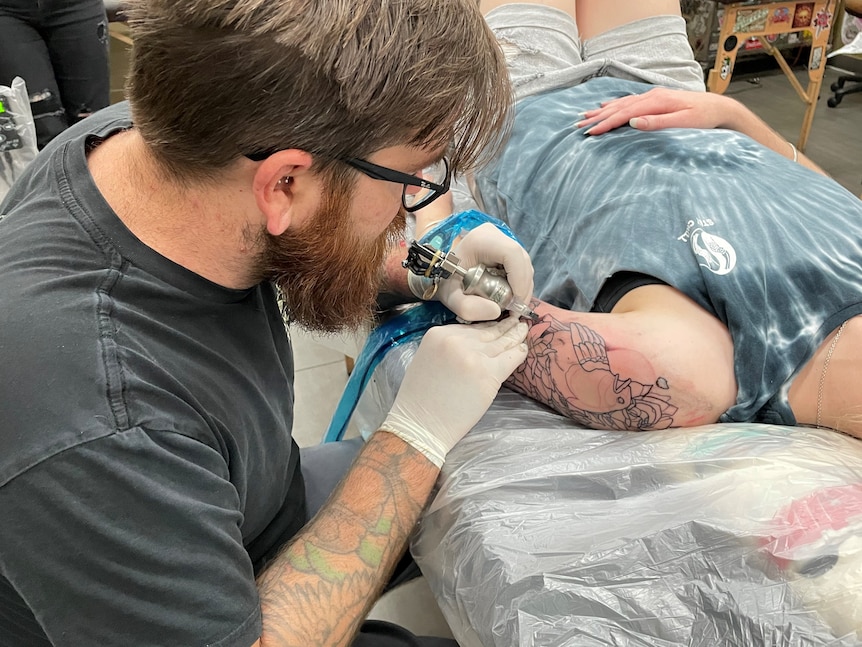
{"x": 150, "y": 491}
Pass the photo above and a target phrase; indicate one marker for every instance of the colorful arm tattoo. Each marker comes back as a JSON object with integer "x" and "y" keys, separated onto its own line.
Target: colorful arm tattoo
{"x": 320, "y": 588}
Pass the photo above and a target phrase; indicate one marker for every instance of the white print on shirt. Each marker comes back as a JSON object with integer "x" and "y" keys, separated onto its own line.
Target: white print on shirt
{"x": 713, "y": 252}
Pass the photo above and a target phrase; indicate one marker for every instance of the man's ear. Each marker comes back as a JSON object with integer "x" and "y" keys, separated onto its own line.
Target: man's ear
{"x": 285, "y": 190}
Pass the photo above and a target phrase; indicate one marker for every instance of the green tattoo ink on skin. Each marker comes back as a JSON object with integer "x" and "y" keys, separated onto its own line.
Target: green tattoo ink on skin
{"x": 384, "y": 527}
{"x": 319, "y": 563}
{"x": 370, "y": 554}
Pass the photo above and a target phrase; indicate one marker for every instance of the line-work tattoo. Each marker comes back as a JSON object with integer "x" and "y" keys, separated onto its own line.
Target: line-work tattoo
{"x": 568, "y": 368}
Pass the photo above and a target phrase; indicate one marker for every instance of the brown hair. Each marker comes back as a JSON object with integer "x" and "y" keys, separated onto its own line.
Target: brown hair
{"x": 211, "y": 80}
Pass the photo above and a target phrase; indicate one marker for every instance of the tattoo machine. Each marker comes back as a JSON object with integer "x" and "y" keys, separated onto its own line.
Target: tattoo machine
{"x": 487, "y": 282}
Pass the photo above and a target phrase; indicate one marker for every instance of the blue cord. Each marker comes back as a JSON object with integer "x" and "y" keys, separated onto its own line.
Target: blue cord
{"x": 407, "y": 326}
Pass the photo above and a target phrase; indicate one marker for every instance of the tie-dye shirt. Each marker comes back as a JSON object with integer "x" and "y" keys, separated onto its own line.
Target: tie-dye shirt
{"x": 770, "y": 248}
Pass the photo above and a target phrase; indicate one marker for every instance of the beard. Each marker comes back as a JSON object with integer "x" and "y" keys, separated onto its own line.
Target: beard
{"x": 328, "y": 276}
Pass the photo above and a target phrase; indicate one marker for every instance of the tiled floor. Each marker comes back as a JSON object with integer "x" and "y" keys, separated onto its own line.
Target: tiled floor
{"x": 836, "y": 136}
{"x": 835, "y": 144}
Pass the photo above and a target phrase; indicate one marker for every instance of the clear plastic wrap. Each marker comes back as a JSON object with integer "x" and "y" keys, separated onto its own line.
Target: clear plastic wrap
{"x": 17, "y": 134}
{"x": 543, "y": 533}
{"x": 851, "y": 36}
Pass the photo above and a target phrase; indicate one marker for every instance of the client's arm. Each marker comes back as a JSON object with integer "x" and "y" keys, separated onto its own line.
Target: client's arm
{"x": 664, "y": 108}
{"x": 657, "y": 361}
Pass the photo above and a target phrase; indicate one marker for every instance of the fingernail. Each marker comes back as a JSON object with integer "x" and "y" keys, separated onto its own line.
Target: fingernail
{"x": 588, "y": 132}
{"x": 638, "y": 122}
{"x": 523, "y": 328}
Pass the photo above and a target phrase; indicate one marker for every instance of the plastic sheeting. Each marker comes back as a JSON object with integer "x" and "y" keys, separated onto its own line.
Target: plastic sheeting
{"x": 17, "y": 134}
{"x": 543, "y": 533}
{"x": 851, "y": 36}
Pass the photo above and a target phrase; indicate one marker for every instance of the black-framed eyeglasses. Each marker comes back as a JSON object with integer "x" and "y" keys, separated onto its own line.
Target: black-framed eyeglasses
{"x": 419, "y": 190}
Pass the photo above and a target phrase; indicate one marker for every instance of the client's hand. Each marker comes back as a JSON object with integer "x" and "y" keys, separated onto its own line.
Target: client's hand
{"x": 487, "y": 244}
{"x": 452, "y": 381}
{"x": 662, "y": 108}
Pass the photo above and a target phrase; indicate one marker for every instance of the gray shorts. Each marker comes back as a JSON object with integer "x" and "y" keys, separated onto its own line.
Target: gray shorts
{"x": 544, "y": 52}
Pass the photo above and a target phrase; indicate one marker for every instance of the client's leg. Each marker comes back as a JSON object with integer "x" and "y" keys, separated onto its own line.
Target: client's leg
{"x": 541, "y": 44}
{"x": 643, "y": 41}
{"x": 563, "y": 5}
{"x": 657, "y": 361}
{"x": 598, "y": 16}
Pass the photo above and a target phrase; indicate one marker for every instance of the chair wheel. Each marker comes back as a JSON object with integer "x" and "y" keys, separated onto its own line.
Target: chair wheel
{"x": 835, "y": 86}
{"x": 833, "y": 102}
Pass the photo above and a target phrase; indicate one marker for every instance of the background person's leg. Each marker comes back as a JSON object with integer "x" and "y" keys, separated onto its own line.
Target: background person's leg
{"x": 598, "y": 16}
{"x": 76, "y": 34}
{"x": 23, "y": 53}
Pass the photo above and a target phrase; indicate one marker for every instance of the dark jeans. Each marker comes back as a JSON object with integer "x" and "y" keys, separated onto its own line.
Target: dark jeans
{"x": 60, "y": 49}
{"x": 322, "y": 468}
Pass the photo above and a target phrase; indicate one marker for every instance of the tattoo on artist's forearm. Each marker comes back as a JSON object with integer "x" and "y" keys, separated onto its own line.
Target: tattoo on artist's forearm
{"x": 335, "y": 564}
{"x": 568, "y": 369}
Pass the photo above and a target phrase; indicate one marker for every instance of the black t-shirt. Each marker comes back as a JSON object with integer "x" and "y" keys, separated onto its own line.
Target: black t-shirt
{"x": 147, "y": 468}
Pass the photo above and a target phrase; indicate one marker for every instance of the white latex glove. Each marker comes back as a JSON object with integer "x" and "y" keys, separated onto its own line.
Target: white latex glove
{"x": 451, "y": 381}
{"x": 487, "y": 244}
